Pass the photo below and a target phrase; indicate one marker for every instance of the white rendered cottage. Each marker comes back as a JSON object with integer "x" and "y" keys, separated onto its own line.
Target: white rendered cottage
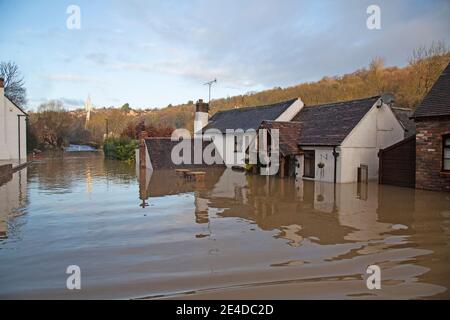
{"x": 338, "y": 142}
{"x": 13, "y": 138}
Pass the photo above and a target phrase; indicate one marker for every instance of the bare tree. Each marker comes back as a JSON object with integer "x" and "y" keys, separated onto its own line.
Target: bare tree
{"x": 428, "y": 64}
{"x": 14, "y": 83}
{"x": 52, "y": 124}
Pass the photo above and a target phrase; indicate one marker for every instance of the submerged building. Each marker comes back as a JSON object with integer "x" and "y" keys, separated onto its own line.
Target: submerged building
{"x": 336, "y": 142}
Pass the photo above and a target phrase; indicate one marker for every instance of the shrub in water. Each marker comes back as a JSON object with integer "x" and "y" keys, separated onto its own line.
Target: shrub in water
{"x": 120, "y": 148}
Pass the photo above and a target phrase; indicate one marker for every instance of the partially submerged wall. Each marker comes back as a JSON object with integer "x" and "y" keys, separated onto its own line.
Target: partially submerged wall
{"x": 160, "y": 153}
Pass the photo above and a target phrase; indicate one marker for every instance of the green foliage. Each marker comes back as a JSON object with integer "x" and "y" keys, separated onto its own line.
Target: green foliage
{"x": 249, "y": 167}
{"x": 120, "y": 149}
{"x": 32, "y": 139}
{"x": 126, "y": 107}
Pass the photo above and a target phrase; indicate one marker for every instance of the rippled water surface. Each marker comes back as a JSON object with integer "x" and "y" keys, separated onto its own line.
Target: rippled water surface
{"x": 232, "y": 236}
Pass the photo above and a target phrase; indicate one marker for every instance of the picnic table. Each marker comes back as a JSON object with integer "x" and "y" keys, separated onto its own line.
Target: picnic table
{"x": 196, "y": 175}
{"x": 182, "y": 172}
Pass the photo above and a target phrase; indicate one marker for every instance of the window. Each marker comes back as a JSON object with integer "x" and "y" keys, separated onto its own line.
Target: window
{"x": 309, "y": 164}
{"x": 446, "y": 152}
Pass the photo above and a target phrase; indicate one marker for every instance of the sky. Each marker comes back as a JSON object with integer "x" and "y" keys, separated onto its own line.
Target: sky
{"x": 154, "y": 53}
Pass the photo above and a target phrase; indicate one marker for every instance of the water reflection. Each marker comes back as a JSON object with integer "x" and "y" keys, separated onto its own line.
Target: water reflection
{"x": 161, "y": 234}
{"x": 13, "y": 197}
{"x": 298, "y": 209}
{"x": 382, "y": 220}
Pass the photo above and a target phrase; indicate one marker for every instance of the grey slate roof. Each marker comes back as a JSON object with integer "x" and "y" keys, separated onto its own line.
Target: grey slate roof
{"x": 437, "y": 101}
{"x": 247, "y": 117}
{"x": 329, "y": 124}
{"x": 404, "y": 116}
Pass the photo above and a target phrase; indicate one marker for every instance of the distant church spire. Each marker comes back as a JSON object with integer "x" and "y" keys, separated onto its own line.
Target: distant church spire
{"x": 88, "y": 108}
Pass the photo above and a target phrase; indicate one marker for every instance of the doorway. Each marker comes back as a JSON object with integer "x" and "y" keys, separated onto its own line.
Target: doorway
{"x": 310, "y": 163}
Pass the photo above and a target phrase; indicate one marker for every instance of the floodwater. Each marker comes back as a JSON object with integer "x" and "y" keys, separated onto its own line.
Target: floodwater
{"x": 232, "y": 236}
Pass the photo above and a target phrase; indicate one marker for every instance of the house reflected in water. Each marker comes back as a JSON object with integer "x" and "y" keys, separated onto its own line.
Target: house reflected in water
{"x": 13, "y": 196}
{"x": 323, "y": 213}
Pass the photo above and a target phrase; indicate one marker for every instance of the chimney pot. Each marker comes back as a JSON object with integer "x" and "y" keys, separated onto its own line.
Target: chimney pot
{"x": 201, "y": 106}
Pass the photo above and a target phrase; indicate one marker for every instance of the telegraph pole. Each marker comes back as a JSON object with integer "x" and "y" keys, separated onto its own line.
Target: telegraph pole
{"x": 210, "y": 83}
{"x": 107, "y": 127}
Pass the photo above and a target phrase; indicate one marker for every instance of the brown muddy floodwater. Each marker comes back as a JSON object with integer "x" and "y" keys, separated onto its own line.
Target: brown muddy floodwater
{"x": 233, "y": 236}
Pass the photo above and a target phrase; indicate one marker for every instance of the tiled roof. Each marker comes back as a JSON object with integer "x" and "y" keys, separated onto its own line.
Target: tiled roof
{"x": 288, "y": 135}
{"x": 159, "y": 150}
{"x": 437, "y": 101}
{"x": 329, "y": 124}
{"x": 247, "y": 117}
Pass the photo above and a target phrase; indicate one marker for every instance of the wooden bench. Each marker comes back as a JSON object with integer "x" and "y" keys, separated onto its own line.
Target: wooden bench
{"x": 195, "y": 175}
{"x": 182, "y": 172}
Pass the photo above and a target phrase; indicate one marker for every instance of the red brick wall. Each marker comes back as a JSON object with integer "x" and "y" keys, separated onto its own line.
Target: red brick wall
{"x": 429, "y": 174}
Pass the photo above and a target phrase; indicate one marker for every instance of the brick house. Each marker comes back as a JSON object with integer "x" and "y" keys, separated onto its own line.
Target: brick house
{"x": 432, "y": 119}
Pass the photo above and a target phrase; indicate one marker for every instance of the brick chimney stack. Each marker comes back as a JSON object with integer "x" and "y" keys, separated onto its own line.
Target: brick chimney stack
{"x": 2, "y": 82}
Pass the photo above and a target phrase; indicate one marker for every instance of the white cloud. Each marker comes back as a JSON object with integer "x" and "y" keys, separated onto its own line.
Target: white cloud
{"x": 71, "y": 78}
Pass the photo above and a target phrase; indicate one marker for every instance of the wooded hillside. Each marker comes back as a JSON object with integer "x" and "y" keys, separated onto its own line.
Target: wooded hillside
{"x": 409, "y": 85}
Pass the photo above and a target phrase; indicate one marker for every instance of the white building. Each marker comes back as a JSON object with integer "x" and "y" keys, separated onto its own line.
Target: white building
{"x": 335, "y": 142}
{"x": 339, "y": 142}
{"x": 13, "y": 138}
{"x": 244, "y": 122}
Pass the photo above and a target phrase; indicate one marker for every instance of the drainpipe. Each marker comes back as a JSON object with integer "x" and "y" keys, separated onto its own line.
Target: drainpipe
{"x": 335, "y": 155}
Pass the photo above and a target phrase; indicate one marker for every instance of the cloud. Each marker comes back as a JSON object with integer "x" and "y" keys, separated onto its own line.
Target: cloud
{"x": 71, "y": 102}
{"x": 188, "y": 69}
{"x": 67, "y": 102}
{"x": 71, "y": 78}
{"x": 98, "y": 58}
{"x": 279, "y": 44}
{"x": 246, "y": 45}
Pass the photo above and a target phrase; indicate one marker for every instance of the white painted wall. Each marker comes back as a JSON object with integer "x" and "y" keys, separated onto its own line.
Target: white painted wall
{"x": 228, "y": 183}
{"x": 4, "y": 152}
{"x": 148, "y": 162}
{"x": 9, "y": 132}
{"x": 299, "y": 166}
{"x": 378, "y": 129}
{"x": 225, "y": 145}
{"x": 324, "y": 155}
{"x": 200, "y": 121}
